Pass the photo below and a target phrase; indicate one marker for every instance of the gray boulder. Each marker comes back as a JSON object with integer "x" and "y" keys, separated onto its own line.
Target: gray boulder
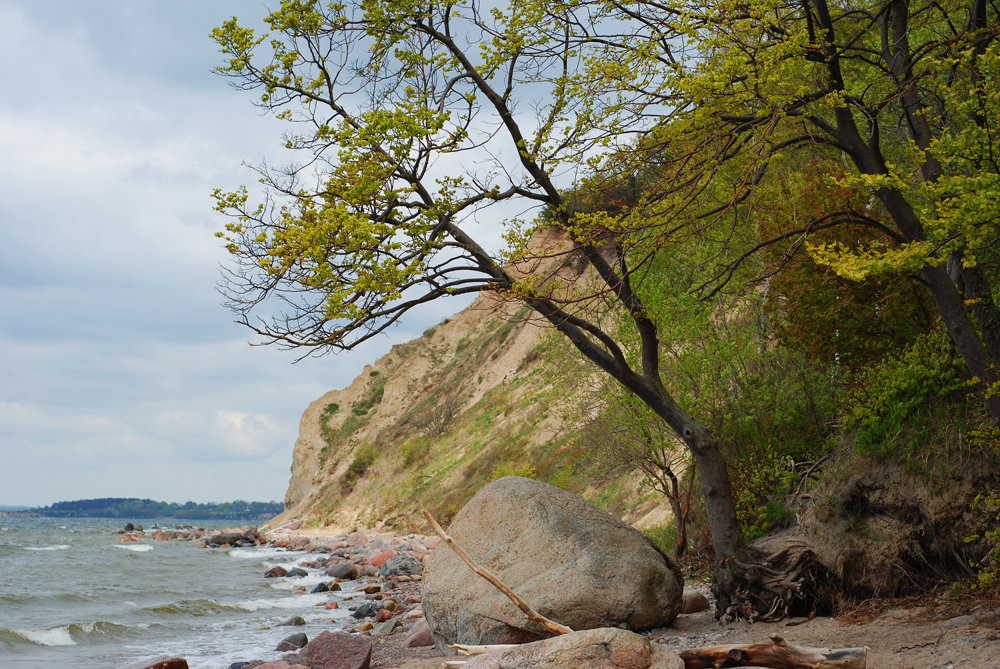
{"x": 569, "y": 560}
{"x": 343, "y": 570}
{"x": 296, "y": 573}
{"x": 367, "y": 609}
{"x": 402, "y": 565}
{"x": 219, "y": 539}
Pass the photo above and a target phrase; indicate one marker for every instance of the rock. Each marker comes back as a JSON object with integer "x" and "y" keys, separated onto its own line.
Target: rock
{"x": 275, "y": 572}
{"x": 605, "y": 648}
{"x": 338, "y": 650}
{"x": 280, "y": 664}
{"x": 345, "y": 570}
{"x": 357, "y": 539}
{"x": 163, "y": 662}
{"x": 694, "y": 602}
{"x": 432, "y": 542}
{"x": 332, "y": 605}
{"x": 320, "y": 587}
{"x": 294, "y": 620}
{"x": 226, "y": 538}
{"x": 383, "y": 615}
{"x": 418, "y": 548}
{"x": 366, "y": 610}
{"x": 293, "y": 642}
{"x": 370, "y": 570}
{"x": 296, "y": 573}
{"x": 415, "y": 613}
{"x": 371, "y": 589}
{"x": 239, "y": 665}
{"x": 381, "y": 558}
{"x": 129, "y": 527}
{"x": 389, "y": 604}
{"x": 569, "y": 560}
{"x": 388, "y": 627}
{"x": 403, "y": 565}
{"x": 419, "y": 636}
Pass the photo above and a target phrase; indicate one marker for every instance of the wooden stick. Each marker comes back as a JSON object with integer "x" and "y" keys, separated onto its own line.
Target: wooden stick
{"x": 529, "y": 613}
{"x": 465, "y": 649}
{"x": 778, "y": 655}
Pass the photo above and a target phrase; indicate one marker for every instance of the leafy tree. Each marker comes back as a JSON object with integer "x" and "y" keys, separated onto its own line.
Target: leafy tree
{"x": 406, "y": 113}
{"x": 904, "y": 93}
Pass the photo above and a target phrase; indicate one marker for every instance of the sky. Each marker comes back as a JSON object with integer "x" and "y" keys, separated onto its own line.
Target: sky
{"x": 121, "y": 375}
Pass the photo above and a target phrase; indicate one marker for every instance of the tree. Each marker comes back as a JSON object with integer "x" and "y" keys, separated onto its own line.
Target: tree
{"x": 406, "y": 111}
{"x": 903, "y": 92}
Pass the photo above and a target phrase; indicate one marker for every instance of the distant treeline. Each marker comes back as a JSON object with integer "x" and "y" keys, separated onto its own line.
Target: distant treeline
{"x": 117, "y": 507}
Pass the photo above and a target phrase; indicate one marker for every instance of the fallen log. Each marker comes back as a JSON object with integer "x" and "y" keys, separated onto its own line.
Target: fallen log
{"x": 528, "y": 612}
{"x": 779, "y": 654}
{"x": 466, "y": 649}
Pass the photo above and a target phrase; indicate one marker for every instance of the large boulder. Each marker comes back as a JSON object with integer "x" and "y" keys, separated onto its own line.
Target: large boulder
{"x": 227, "y": 538}
{"x": 338, "y": 650}
{"x": 607, "y": 648}
{"x": 346, "y": 570}
{"x": 569, "y": 560}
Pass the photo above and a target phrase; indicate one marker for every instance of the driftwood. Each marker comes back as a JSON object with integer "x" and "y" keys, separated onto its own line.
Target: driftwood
{"x": 466, "y": 649}
{"x": 779, "y": 654}
{"x": 528, "y": 612}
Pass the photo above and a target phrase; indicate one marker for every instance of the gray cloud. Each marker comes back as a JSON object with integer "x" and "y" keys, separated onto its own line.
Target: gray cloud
{"x": 122, "y": 374}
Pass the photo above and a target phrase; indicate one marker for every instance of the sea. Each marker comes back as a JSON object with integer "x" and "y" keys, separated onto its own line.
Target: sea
{"x": 73, "y": 596}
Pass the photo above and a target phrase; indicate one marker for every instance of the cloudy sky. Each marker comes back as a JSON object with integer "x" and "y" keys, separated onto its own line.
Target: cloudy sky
{"x": 120, "y": 373}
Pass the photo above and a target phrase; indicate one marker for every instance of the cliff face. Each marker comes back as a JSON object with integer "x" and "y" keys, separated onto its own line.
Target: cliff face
{"x": 438, "y": 417}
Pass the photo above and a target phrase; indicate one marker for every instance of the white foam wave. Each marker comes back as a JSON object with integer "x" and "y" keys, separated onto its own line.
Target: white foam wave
{"x": 261, "y": 554}
{"x": 299, "y": 602}
{"x": 138, "y": 548}
{"x": 57, "y": 636}
{"x": 61, "y": 547}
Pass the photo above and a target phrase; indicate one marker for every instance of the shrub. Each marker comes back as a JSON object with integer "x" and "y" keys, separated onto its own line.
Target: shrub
{"x": 415, "y": 450}
{"x": 512, "y": 469}
{"x": 364, "y": 458}
{"x": 989, "y": 575}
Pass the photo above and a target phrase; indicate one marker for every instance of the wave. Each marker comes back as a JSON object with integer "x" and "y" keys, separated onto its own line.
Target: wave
{"x": 138, "y": 548}
{"x": 299, "y": 602}
{"x": 192, "y": 607}
{"x": 61, "y": 547}
{"x": 67, "y": 635}
{"x": 56, "y": 636}
{"x": 263, "y": 554}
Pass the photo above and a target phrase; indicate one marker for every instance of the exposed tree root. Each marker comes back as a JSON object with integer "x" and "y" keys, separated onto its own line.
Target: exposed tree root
{"x": 768, "y": 587}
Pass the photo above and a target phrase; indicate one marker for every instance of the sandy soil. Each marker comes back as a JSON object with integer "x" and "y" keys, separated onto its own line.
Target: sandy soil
{"x": 964, "y": 634}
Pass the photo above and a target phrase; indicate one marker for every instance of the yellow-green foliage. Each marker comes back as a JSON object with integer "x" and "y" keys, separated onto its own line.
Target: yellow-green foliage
{"x": 989, "y": 574}
{"x": 760, "y": 490}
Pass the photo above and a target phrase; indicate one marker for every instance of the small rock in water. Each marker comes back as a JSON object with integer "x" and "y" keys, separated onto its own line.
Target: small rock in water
{"x": 344, "y": 570}
{"x": 332, "y": 605}
{"x": 294, "y": 620}
{"x": 240, "y": 665}
{"x": 129, "y": 527}
{"x": 320, "y": 587}
{"x": 296, "y": 573}
{"x": 275, "y": 572}
{"x": 163, "y": 662}
{"x": 293, "y": 642}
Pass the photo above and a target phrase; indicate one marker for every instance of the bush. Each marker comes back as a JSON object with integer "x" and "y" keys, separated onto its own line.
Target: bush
{"x": 364, "y": 458}
{"x": 989, "y": 575}
{"x": 415, "y": 450}
{"x": 900, "y": 392}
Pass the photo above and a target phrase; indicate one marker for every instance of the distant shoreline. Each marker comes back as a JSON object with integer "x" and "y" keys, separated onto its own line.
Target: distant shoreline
{"x": 20, "y": 514}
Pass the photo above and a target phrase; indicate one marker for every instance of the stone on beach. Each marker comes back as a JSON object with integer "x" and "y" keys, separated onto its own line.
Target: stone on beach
{"x": 275, "y": 572}
{"x": 570, "y": 561}
{"x": 163, "y": 662}
{"x": 694, "y": 602}
{"x": 357, "y": 539}
{"x": 420, "y": 635}
{"x": 338, "y": 650}
{"x": 343, "y": 570}
{"x": 402, "y": 565}
{"x": 293, "y": 642}
{"x": 605, "y": 648}
{"x": 387, "y": 627}
{"x": 381, "y": 558}
{"x": 228, "y": 538}
{"x": 366, "y": 610}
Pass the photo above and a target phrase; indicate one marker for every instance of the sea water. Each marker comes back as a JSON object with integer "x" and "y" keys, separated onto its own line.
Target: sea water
{"x": 73, "y": 596}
